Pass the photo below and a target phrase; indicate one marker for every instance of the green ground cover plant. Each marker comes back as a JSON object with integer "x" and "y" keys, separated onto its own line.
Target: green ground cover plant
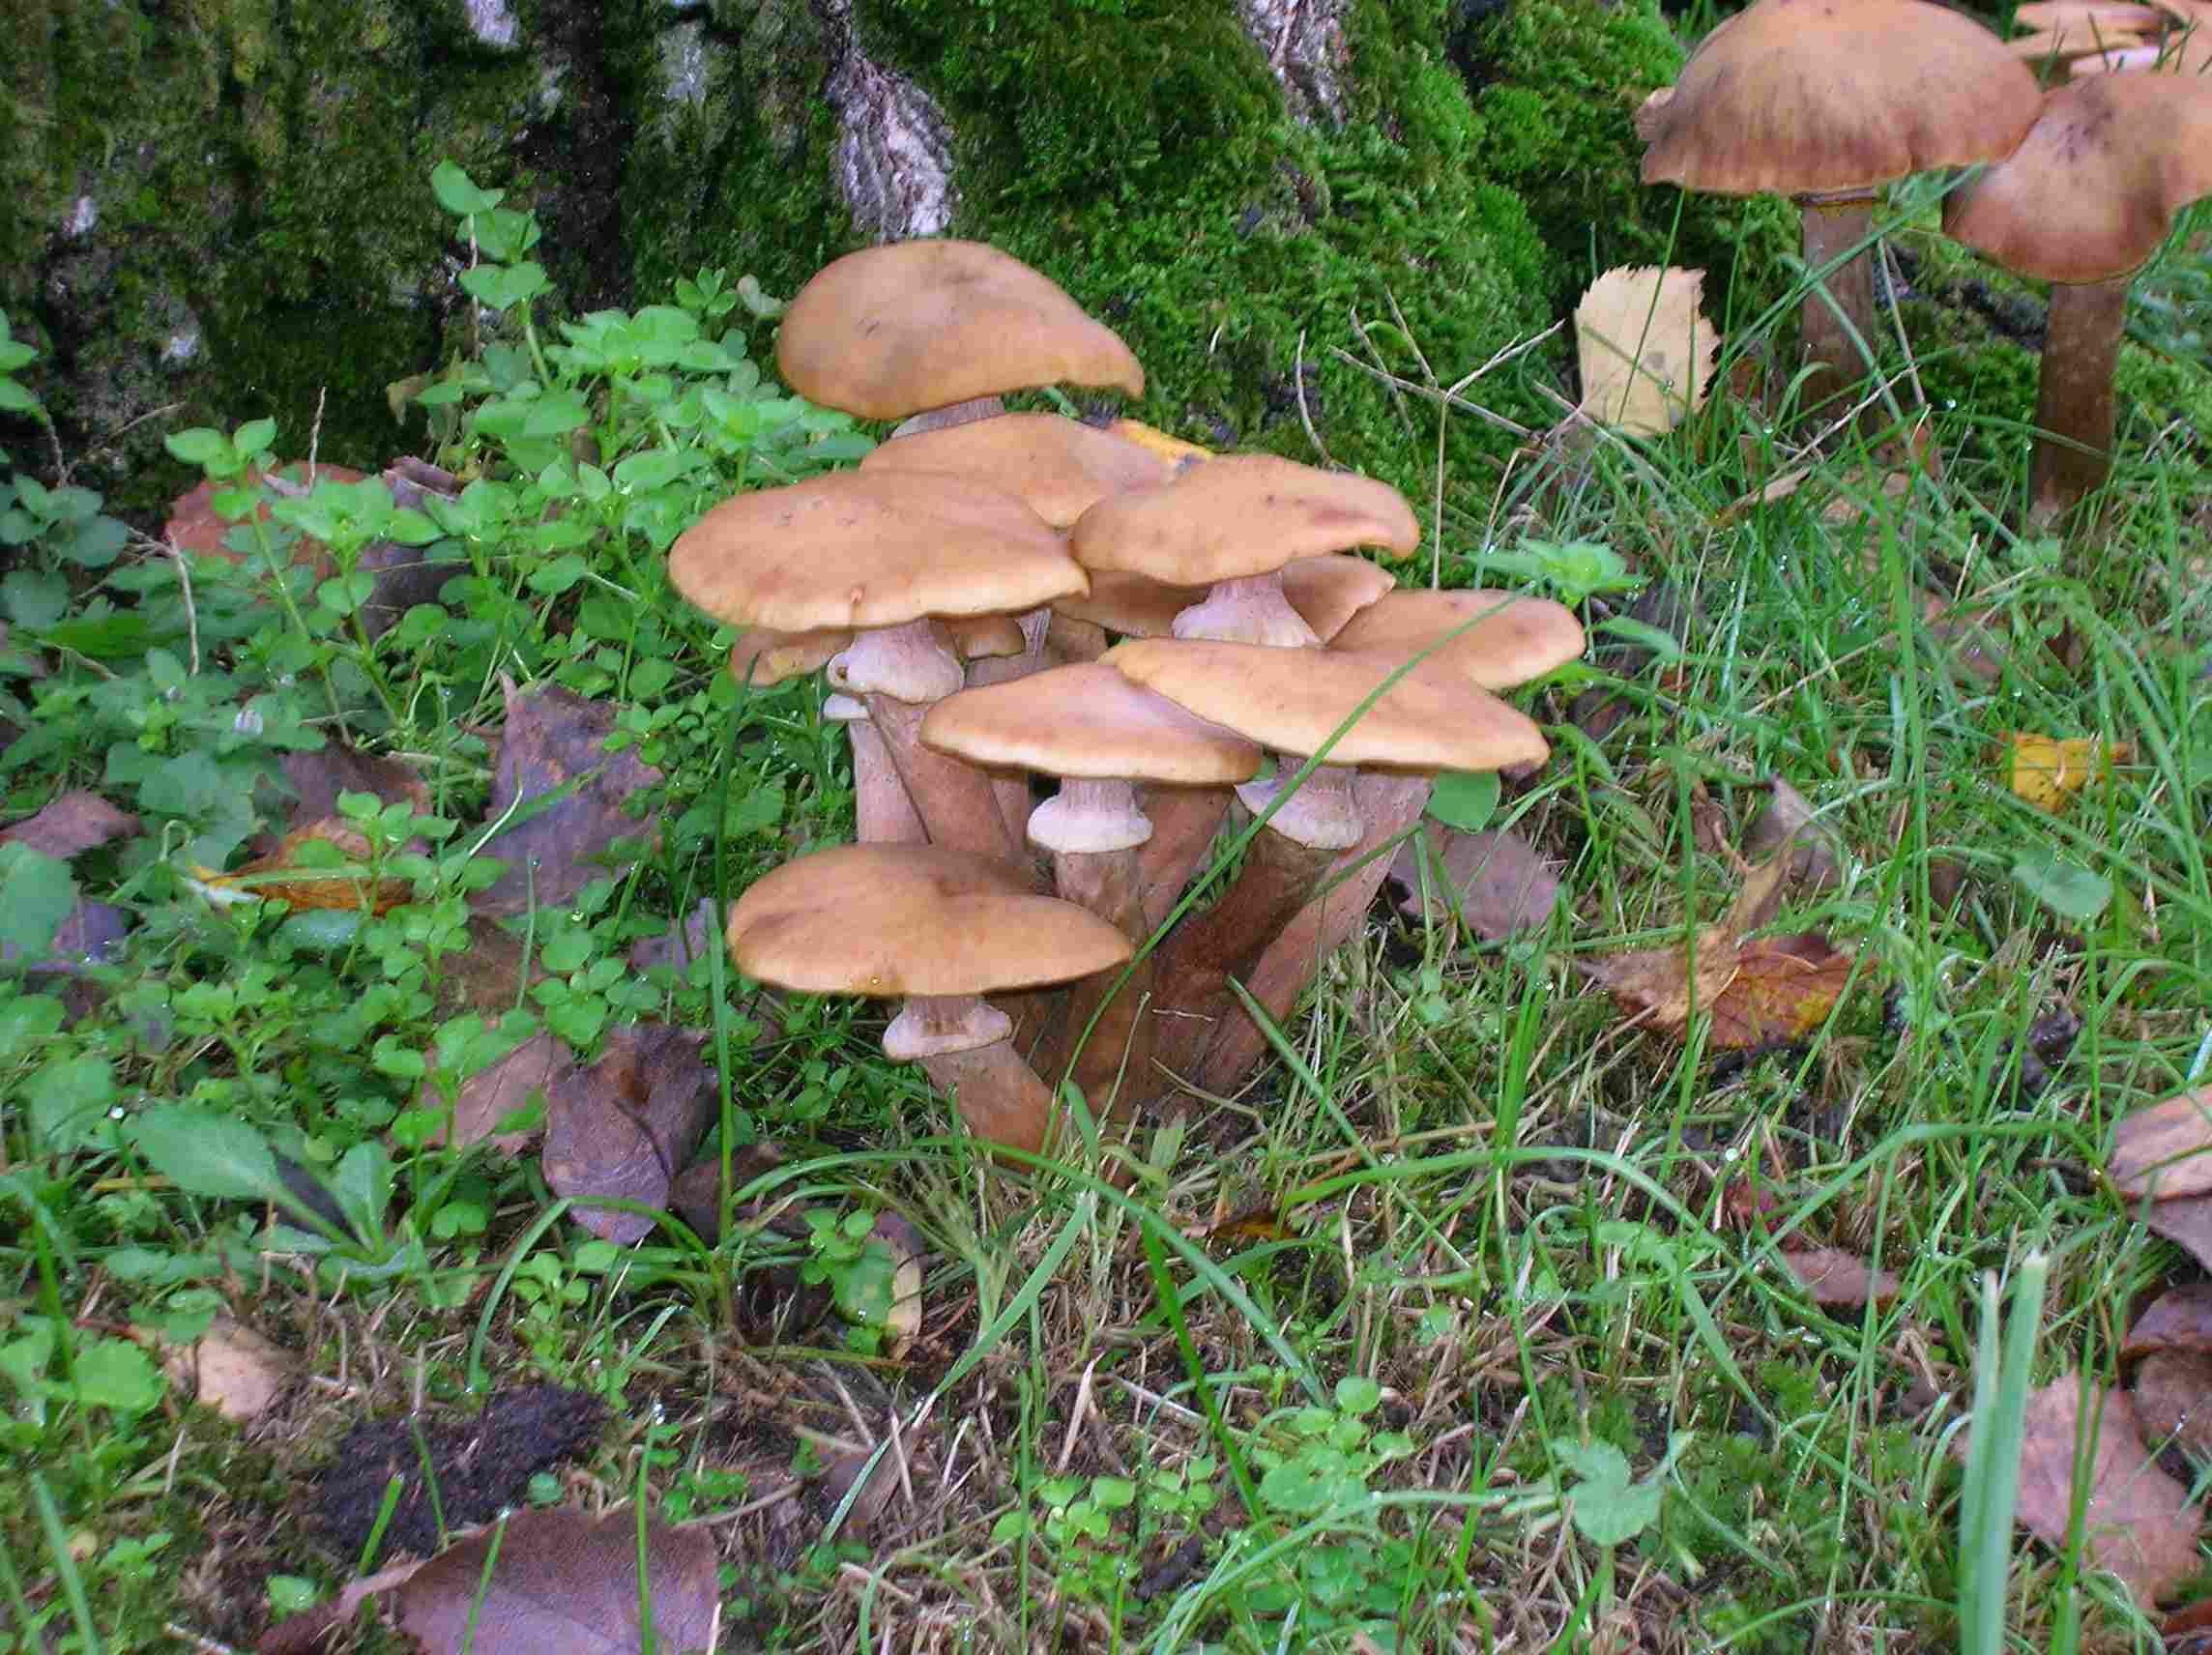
{"x": 1482, "y": 1319}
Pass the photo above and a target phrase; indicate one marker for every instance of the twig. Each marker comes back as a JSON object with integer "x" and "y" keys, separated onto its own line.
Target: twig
{"x": 1305, "y": 418}
{"x": 1460, "y": 402}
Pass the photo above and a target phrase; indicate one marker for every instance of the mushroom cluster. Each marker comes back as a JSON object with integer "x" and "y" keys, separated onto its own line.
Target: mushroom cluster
{"x": 1006, "y": 602}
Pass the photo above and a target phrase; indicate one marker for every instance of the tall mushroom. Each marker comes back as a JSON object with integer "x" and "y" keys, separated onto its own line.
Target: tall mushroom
{"x": 882, "y": 554}
{"x": 939, "y": 929}
{"x": 1825, "y": 101}
{"x": 2086, "y": 198}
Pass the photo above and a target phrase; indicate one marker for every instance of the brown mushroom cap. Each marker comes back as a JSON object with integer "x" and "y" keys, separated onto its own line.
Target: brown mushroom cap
{"x": 1293, "y": 700}
{"x": 1330, "y": 591}
{"x": 911, "y": 919}
{"x": 985, "y": 637}
{"x": 764, "y": 656}
{"x": 890, "y": 330}
{"x": 858, "y": 549}
{"x": 1327, "y": 591}
{"x": 1134, "y": 605}
{"x": 1087, "y": 720}
{"x": 1060, "y": 467}
{"x": 2094, "y": 187}
{"x": 1512, "y": 639}
{"x": 1806, "y": 97}
{"x": 1240, "y": 515}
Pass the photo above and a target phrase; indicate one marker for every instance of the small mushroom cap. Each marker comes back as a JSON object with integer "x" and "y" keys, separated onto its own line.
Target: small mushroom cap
{"x": 1134, "y": 605}
{"x": 1807, "y": 96}
{"x": 1327, "y": 591}
{"x": 1330, "y": 591}
{"x": 1293, "y": 700}
{"x": 911, "y": 919}
{"x": 855, "y": 549}
{"x": 985, "y": 637}
{"x": 764, "y": 656}
{"x": 890, "y": 330}
{"x": 1511, "y": 639}
{"x": 1060, "y": 467}
{"x": 1240, "y": 515}
{"x": 1087, "y": 720}
{"x": 2094, "y": 187}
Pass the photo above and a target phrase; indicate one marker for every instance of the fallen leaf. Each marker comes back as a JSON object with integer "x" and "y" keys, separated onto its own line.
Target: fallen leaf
{"x": 69, "y": 825}
{"x": 555, "y": 743}
{"x": 2161, "y": 1151}
{"x": 1644, "y": 349}
{"x": 1973, "y": 638}
{"x": 231, "y": 1369}
{"x": 1784, "y": 989}
{"x": 1832, "y": 1276}
{"x": 2187, "y": 1223}
{"x": 2138, "y": 1523}
{"x": 317, "y": 779}
{"x": 1851, "y": 501}
{"x": 2173, "y": 1401}
{"x": 1781, "y": 488}
{"x": 194, "y": 526}
{"x": 869, "y": 1504}
{"x": 304, "y": 872}
{"x": 1759, "y": 900}
{"x": 696, "y": 1196}
{"x": 2180, "y": 1318}
{"x": 2047, "y": 772}
{"x": 1659, "y": 988}
{"x": 1789, "y": 831}
{"x": 680, "y": 944}
{"x": 565, "y": 1581}
{"x": 90, "y": 934}
{"x": 480, "y": 1465}
{"x": 902, "y": 1322}
{"x": 491, "y": 975}
{"x": 625, "y": 1125}
{"x": 490, "y": 1095}
{"x": 1503, "y": 886}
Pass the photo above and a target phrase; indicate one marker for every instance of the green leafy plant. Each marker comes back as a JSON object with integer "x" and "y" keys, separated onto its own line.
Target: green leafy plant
{"x": 857, "y": 1264}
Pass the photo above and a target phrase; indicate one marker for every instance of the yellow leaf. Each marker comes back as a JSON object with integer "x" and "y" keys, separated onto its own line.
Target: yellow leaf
{"x": 1647, "y": 352}
{"x": 2047, "y": 772}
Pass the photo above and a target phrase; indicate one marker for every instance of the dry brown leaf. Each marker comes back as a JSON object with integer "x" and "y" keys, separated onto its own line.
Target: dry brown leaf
{"x": 231, "y": 1369}
{"x": 1760, "y": 900}
{"x": 2138, "y": 1523}
{"x": 1784, "y": 989}
{"x": 2173, "y": 1402}
{"x": 1850, "y": 505}
{"x": 194, "y": 527}
{"x": 2047, "y": 772}
{"x": 1645, "y": 350}
{"x": 2187, "y": 1223}
{"x": 294, "y": 874}
{"x": 1832, "y": 1276}
{"x": 492, "y": 1095}
{"x": 72, "y": 822}
{"x": 902, "y": 1324}
{"x": 1502, "y": 884}
{"x": 2179, "y": 1320}
{"x": 554, "y": 740}
{"x": 1790, "y": 833}
{"x": 568, "y": 1581}
{"x": 317, "y": 778}
{"x": 626, "y": 1124}
{"x": 1660, "y": 988}
{"x": 2161, "y": 1151}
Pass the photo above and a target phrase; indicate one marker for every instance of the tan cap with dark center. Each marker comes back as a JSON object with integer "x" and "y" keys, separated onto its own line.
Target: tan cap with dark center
{"x": 1808, "y": 96}
{"x": 1087, "y": 720}
{"x": 2094, "y": 187}
{"x": 1240, "y": 515}
{"x": 1060, "y": 467}
{"x": 911, "y": 919}
{"x": 858, "y": 549}
{"x": 1293, "y": 700}
{"x": 890, "y": 330}
{"x": 1512, "y": 639}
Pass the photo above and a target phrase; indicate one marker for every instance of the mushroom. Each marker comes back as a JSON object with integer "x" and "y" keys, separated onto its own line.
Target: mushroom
{"x": 1058, "y": 467}
{"x": 881, "y": 554}
{"x": 1825, "y": 101}
{"x": 2086, "y": 198}
{"x": 882, "y": 811}
{"x": 1230, "y": 524}
{"x": 1303, "y": 702}
{"x": 939, "y": 928}
{"x": 891, "y": 330}
{"x": 1498, "y": 639}
{"x": 1099, "y": 733}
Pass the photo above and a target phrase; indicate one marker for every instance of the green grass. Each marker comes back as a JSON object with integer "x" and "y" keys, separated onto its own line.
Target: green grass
{"x": 1493, "y": 1364}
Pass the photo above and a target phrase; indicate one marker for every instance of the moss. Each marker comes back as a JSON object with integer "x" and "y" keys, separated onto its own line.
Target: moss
{"x": 1555, "y": 85}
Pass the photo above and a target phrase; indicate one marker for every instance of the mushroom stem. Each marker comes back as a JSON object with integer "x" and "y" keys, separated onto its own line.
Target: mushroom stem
{"x": 957, "y": 803}
{"x": 1389, "y": 806}
{"x": 1114, "y": 1063}
{"x": 1013, "y": 788}
{"x": 1838, "y": 360}
{"x": 2074, "y": 398}
{"x": 999, "y": 1098}
{"x": 1184, "y": 822}
{"x": 1251, "y": 610}
{"x": 1196, "y": 963}
{"x": 882, "y": 811}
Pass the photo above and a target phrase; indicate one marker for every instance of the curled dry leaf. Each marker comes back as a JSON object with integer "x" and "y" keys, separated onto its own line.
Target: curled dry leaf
{"x": 69, "y": 825}
{"x": 2173, "y": 1402}
{"x": 304, "y": 872}
{"x": 1644, "y": 349}
{"x": 1770, "y": 991}
{"x": 902, "y": 1322}
{"x": 1790, "y": 833}
{"x": 2138, "y": 1523}
{"x": 2048, "y": 771}
{"x": 2180, "y": 1318}
{"x": 231, "y": 1369}
{"x": 625, "y": 1125}
{"x": 568, "y": 1581}
{"x": 2161, "y": 1151}
{"x": 1501, "y": 883}
{"x": 1836, "y": 1278}
{"x": 555, "y": 744}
